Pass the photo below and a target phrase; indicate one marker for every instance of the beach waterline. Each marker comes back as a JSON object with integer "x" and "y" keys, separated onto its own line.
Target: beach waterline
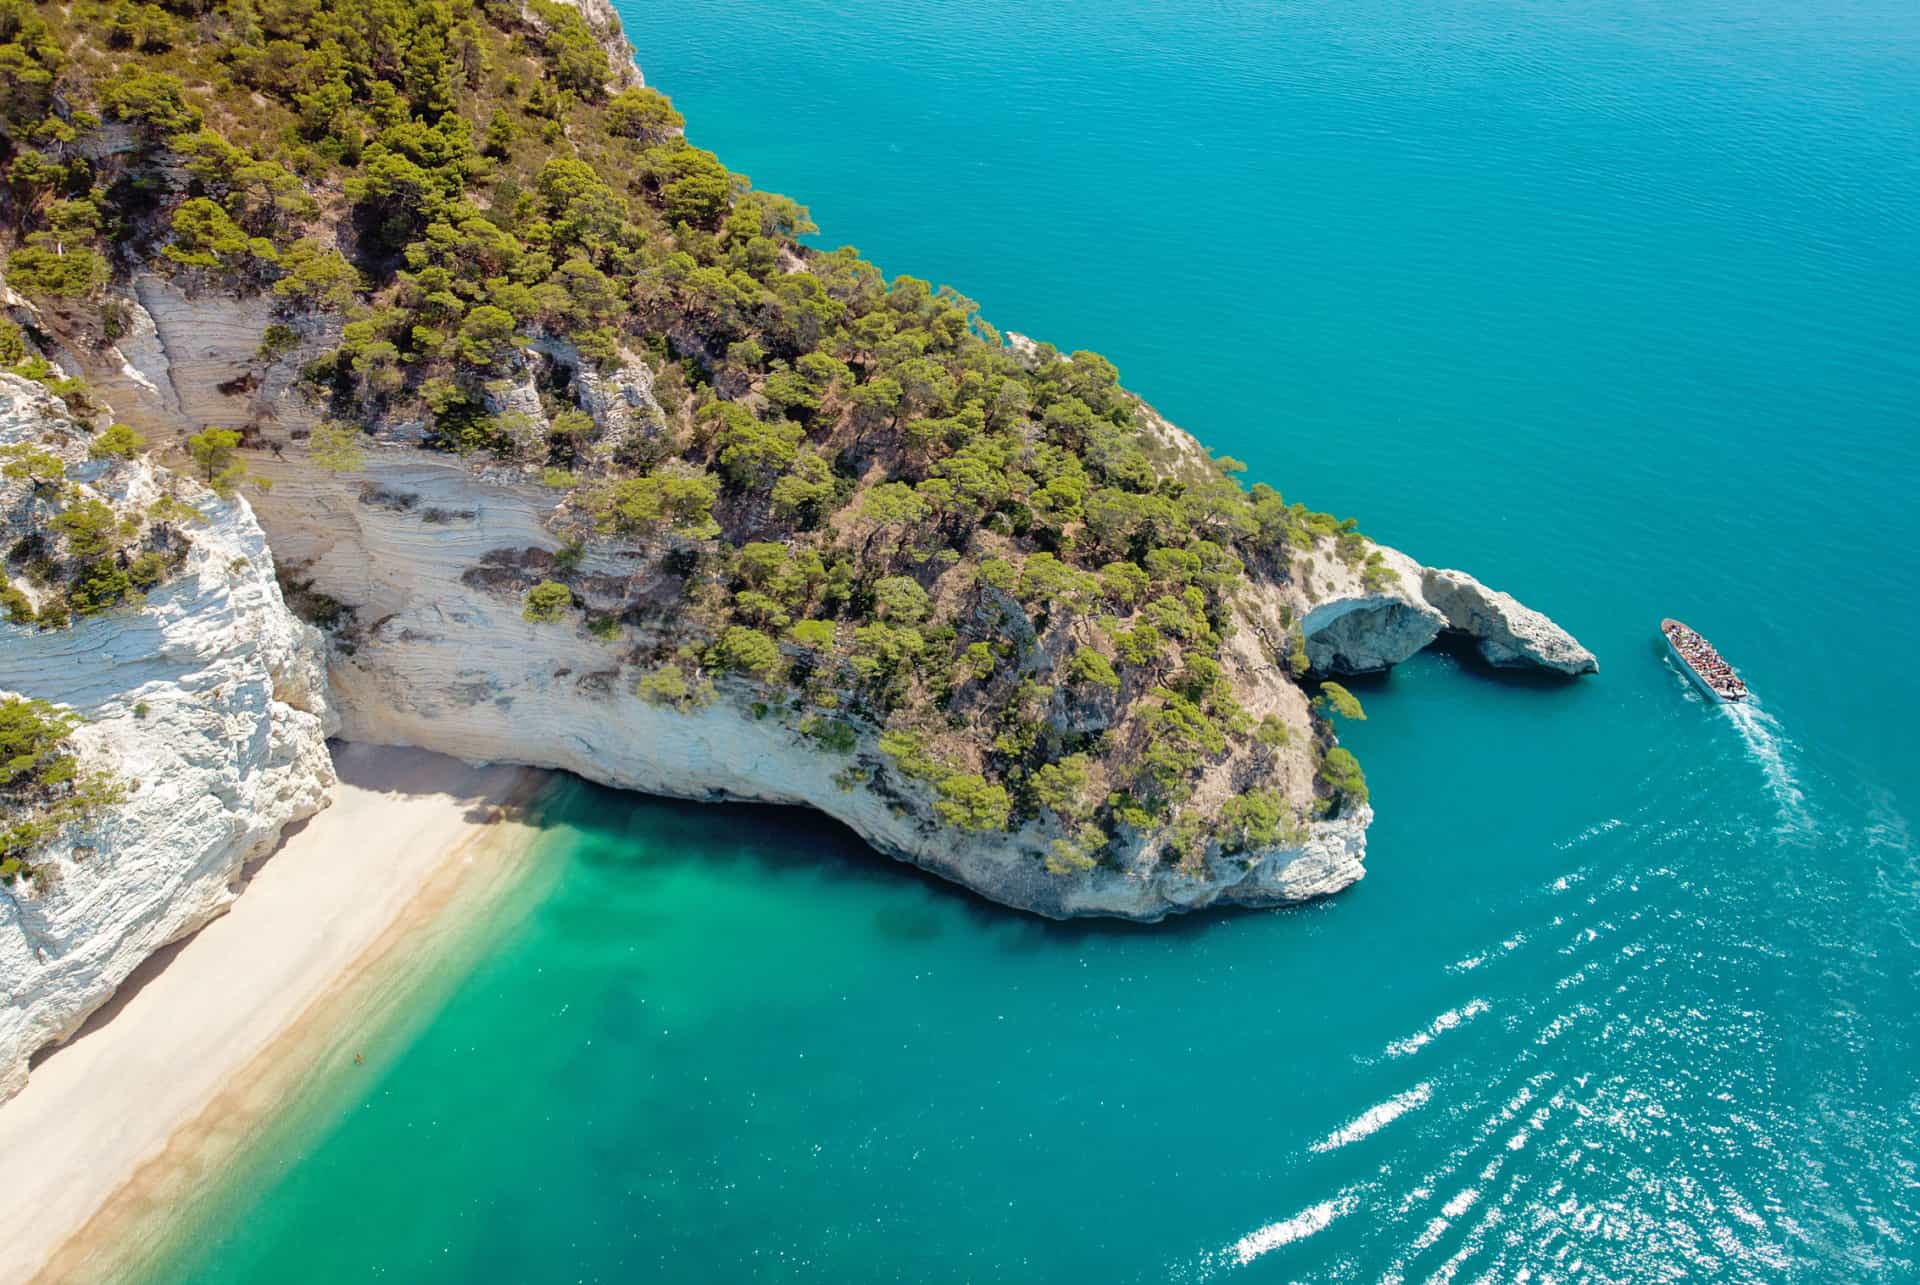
{"x": 237, "y": 1038}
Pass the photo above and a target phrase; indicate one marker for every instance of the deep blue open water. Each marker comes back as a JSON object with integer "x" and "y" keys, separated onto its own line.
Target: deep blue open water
{"x": 1612, "y": 303}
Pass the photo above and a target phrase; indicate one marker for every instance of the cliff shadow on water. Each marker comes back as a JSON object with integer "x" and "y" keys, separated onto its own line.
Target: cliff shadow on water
{"x": 623, "y": 833}
{"x": 1463, "y": 650}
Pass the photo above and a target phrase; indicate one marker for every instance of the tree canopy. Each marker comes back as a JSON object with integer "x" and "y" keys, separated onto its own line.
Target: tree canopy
{"x": 873, "y": 509}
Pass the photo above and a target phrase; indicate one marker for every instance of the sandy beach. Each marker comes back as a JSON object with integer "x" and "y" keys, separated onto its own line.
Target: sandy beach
{"x": 205, "y": 1041}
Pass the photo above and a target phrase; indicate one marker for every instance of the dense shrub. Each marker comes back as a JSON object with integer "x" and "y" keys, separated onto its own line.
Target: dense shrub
{"x": 41, "y": 786}
{"x": 547, "y": 602}
{"x": 1341, "y": 772}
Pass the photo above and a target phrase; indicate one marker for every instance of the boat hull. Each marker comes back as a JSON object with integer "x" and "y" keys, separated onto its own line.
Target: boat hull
{"x": 1694, "y": 676}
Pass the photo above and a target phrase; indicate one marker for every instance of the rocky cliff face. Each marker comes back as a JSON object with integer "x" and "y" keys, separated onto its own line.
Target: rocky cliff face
{"x": 605, "y": 21}
{"x": 210, "y": 703}
{"x": 430, "y": 556}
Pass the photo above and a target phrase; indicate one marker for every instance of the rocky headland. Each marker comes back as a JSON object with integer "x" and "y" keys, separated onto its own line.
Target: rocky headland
{"x": 724, "y": 518}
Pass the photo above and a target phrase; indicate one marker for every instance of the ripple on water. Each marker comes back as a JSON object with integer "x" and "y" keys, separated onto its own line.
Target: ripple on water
{"x": 1645, "y": 1073}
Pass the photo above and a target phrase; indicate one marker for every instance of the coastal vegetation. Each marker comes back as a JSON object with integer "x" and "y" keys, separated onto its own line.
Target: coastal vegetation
{"x": 215, "y": 453}
{"x": 75, "y": 549}
{"x": 1336, "y": 699}
{"x": 548, "y": 602}
{"x": 42, "y": 787}
{"x": 877, "y": 515}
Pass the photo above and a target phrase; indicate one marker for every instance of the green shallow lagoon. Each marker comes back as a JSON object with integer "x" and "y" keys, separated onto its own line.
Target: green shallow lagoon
{"x": 1610, "y": 304}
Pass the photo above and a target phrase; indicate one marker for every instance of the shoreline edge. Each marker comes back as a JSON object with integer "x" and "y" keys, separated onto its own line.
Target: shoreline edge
{"x": 130, "y": 1129}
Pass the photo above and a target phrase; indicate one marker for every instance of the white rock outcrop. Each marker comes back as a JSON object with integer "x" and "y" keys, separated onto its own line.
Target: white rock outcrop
{"x": 1358, "y": 628}
{"x": 1509, "y": 634}
{"x": 604, "y": 20}
{"x": 210, "y": 701}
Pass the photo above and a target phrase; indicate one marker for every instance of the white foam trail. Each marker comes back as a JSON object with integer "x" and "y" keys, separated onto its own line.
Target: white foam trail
{"x": 1376, "y": 1118}
{"x": 1313, "y": 1218}
{"x": 1439, "y": 1026}
{"x": 1887, "y": 828}
{"x": 1770, "y": 748}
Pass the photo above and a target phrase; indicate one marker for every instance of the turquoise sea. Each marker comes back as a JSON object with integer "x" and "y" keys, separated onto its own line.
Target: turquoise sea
{"x": 1613, "y": 303}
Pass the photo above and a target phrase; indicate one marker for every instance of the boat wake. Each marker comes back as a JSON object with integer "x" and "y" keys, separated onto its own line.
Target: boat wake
{"x": 1596, "y": 1098}
{"x": 1773, "y": 750}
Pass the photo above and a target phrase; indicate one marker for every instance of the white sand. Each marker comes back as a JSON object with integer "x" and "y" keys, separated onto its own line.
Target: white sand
{"x": 179, "y": 1060}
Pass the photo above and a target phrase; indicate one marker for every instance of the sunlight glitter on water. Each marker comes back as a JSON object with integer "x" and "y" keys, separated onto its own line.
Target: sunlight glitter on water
{"x": 1447, "y": 1021}
{"x": 1288, "y": 1230}
{"x": 1376, "y": 1118}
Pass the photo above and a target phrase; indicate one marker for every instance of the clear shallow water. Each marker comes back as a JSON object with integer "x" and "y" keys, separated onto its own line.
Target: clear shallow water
{"x": 1610, "y": 303}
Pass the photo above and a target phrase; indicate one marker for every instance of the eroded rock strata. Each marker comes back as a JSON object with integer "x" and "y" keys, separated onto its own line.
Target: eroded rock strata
{"x": 1355, "y": 628}
{"x": 207, "y": 704}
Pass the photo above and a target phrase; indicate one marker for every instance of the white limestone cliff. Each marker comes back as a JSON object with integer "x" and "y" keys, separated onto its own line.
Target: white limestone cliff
{"x": 1508, "y": 634}
{"x": 438, "y": 656}
{"x": 432, "y": 555}
{"x": 209, "y": 701}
